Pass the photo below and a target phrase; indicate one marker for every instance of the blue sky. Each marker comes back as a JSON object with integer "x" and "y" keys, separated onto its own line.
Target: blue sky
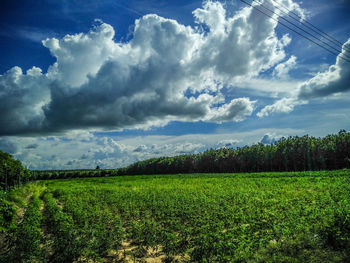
{"x": 86, "y": 83}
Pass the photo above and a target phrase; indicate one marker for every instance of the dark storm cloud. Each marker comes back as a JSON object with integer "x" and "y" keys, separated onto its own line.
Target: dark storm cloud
{"x": 32, "y": 146}
{"x": 97, "y": 83}
{"x": 6, "y": 145}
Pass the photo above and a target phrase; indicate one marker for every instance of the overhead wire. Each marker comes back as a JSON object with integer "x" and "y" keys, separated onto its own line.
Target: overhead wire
{"x": 309, "y": 25}
{"x": 341, "y": 55}
{"x": 300, "y": 28}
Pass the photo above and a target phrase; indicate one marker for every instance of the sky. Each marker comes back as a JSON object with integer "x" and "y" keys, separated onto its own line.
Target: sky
{"x": 111, "y": 82}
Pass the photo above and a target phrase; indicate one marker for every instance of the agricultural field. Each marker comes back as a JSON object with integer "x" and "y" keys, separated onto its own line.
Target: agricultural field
{"x": 260, "y": 217}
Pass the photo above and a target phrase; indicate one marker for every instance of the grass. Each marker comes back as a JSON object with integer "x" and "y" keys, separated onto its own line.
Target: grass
{"x": 261, "y": 217}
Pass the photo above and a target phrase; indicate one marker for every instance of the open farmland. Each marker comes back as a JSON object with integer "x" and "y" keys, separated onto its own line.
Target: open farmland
{"x": 263, "y": 217}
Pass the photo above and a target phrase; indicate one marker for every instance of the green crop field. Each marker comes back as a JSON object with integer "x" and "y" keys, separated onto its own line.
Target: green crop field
{"x": 262, "y": 217}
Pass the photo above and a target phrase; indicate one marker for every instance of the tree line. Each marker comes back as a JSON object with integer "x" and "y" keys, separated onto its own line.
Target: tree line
{"x": 295, "y": 153}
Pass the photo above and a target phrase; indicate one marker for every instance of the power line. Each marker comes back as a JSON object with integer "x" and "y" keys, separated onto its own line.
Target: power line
{"x": 300, "y": 28}
{"x": 336, "y": 54}
{"x": 330, "y": 38}
{"x": 306, "y": 24}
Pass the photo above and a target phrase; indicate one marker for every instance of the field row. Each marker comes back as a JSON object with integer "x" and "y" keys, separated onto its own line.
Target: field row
{"x": 187, "y": 218}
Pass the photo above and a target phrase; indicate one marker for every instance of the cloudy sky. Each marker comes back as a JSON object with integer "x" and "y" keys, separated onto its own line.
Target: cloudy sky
{"x": 110, "y": 82}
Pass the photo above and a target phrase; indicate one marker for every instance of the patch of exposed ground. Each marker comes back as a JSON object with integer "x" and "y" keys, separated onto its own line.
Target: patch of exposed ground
{"x": 22, "y": 209}
{"x": 48, "y": 241}
{"x": 136, "y": 254}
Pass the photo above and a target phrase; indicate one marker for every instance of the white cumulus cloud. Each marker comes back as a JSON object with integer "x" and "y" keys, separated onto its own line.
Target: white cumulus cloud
{"x": 333, "y": 81}
{"x": 166, "y": 72}
{"x": 284, "y": 105}
{"x": 336, "y": 79}
{"x": 282, "y": 69}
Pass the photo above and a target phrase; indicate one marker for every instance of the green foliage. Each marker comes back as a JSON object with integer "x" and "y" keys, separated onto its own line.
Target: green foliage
{"x": 257, "y": 217}
{"x": 67, "y": 246}
{"x": 28, "y": 235}
{"x": 296, "y": 216}
{"x": 262, "y": 217}
{"x": 288, "y": 154}
{"x": 12, "y": 173}
{"x": 7, "y": 215}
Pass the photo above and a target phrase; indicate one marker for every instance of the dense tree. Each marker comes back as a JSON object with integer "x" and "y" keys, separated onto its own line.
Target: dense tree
{"x": 287, "y": 154}
{"x": 12, "y": 173}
